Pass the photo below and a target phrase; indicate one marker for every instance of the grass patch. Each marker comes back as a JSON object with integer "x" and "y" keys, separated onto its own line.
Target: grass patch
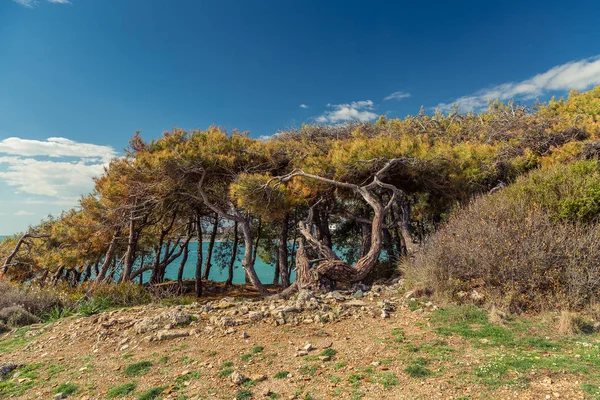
{"x": 246, "y": 357}
{"x": 387, "y": 379}
{"x": 328, "y": 353}
{"x": 120, "y": 390}
{"x": 138, "y": 369}
{"x": 151, "y": 394}
{"x": 257, "y": 349}
{"x": 339, "y": 365}
{"x": 66, "y": 389}
{"x": 243, "y": 394}
{"x": 281, "y": 374}
{"x": 417, "y": 369}
{"x": 225, "y": 372}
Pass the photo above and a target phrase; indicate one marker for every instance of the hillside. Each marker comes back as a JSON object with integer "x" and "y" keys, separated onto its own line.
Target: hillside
{"x": 378, "y": 344}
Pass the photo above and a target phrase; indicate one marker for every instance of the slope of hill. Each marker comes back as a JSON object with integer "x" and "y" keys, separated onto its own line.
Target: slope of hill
{"x": 382, "y": 343}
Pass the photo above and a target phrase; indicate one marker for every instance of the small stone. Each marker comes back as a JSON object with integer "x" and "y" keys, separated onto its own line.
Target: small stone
{"x": 258, "y": 378}
{"x": 356, "y": 303}
{"x": 245, "y": 335}
{"x": 59, "y": 396}
{"x": 302, "y": 353}
{"x": 358, "y": 294}
{"x": 168, "y": 334}
{"x": 238, "y": 378}
{"x": 325, "y": 358}
{"x": 376, "y": 363}
{"x": 308, "y": 347}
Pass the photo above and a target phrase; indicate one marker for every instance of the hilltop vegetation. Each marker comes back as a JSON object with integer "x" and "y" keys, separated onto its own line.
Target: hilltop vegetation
{"x": 360, "y": 187}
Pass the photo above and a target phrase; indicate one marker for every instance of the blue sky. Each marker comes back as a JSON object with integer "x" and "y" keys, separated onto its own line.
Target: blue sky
{"x": 79, "y": 77}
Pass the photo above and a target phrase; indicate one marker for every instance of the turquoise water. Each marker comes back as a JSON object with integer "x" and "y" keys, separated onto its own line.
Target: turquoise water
{"x": 218, "y": 271}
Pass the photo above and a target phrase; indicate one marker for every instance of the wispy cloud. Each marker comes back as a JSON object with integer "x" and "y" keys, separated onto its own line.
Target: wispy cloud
{"x": 41, "y": 168}
{"x": 356, "y": 111}
{"x": 397, "y": 96}
{"x": 34, "y": 3}
{"x": 303, "y": 106}
{"x": 56, "y": 147}
{"x": 23, "y": 212}
{"x": 580, "y": 75}
{"x": 26, "y": 3}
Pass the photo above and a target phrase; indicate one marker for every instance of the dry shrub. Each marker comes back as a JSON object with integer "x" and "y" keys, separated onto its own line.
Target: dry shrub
{"x": 33, "y": 299}
{"x": 16, "y": 316}
{"x": 3, "y": 328}
{"x": 570, "y": 323}
{"x": 126, "y": 294}
{"x": 531, "y": 246}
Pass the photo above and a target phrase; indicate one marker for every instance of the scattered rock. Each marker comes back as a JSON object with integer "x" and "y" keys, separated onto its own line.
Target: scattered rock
{"x": 308, "y": 347}
{"x": 238, "y": 378}
{"x": 244, "y": 335}
{"x": 258, "y": 378}
{"x": 358, "y": 294}
{"x": 8, "y": 367}
{"x": 168, "y": 335}
{"x": 356, "y": 303}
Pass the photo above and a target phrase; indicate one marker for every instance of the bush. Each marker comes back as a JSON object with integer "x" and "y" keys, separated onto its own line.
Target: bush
{"x": 529, "y": 246}
{"x": 17, "y": 316}
{"x": 3, "y": 328}
{"x": 125, "y": 294}
{"x": 33, "y": 299}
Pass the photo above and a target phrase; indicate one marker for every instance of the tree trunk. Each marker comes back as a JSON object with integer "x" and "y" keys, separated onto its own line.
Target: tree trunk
{"x": 186, "y": 252}
{"x": 211, "y": 246}
{"x": 198, "y": 276}
{"x": 108, "y": 258}
{"x": 282, "y": 253}
{"x": 233, "y": 255}
{"x": 404, "y": 225}
{"x": 247, "y": 263}
{"x": 276, "y": 274}
{"x": 15, "y": 251}
{"x": 131, "y": 248}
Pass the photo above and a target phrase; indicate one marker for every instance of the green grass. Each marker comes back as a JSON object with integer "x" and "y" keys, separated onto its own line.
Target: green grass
{"x": 399, "y": 335}
{"x": 243, "y": 394}
{"x": 225, "y": 372}
{"x": 328, "y": 353}
{"x": 188, "y": 377}
{"x": 257, "y": 349}
{"x": 151, "y": 394}
{"x": 281, "y": 374}
{"x": 15, "y": 341}
{"x": 11, "y": 388}
{"x": 246, "y": 357}
{"x": 121, "y": 390}
{"x": 387, "y": 379}
{"x": 417, "y": 369}
{"x": 138, "y": 369}
{"x": 339, "y": 365}
{"x": 227, "y": 364}
{"x": 66, "y": 389}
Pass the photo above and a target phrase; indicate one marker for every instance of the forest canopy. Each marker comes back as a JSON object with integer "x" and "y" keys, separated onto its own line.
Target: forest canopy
{"x": 336, "y": 203}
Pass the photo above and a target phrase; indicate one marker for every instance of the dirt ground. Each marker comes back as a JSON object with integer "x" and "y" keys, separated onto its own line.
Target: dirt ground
{"x": 361, "y": 357}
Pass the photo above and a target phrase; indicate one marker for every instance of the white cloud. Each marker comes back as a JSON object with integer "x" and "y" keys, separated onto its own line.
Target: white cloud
{"x": 23, "y": 212}
{"x": 397, "y": 96}
{"x": 355, "y": 111}
{"x": 26, "y": 3}
{"x": 34, "y": 3}
{"x": 56, "y": 147}
{"x": 303, "y": 106}
{"x": 40, "y": 168}
{"x": 580, "y": 75}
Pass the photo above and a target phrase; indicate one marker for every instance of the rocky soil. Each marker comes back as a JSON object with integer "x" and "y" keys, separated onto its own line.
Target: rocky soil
{"x": 358, "y": 343}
